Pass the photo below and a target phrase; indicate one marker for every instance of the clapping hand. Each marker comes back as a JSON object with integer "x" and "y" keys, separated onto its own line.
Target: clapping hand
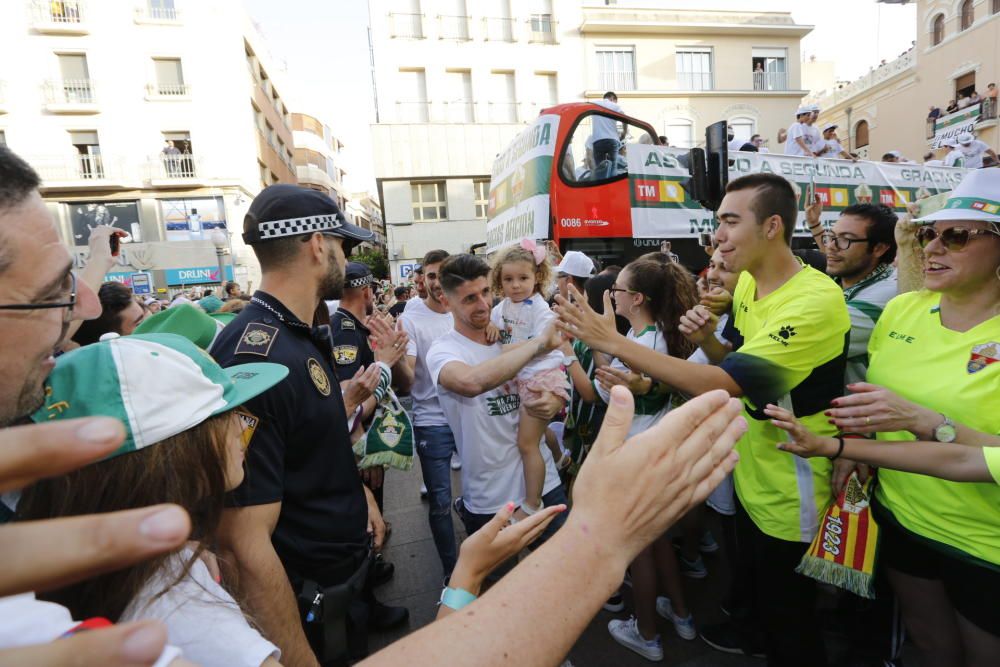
{"x": 698, "y": 323}
{"x": 578, "y": 320}
{"x": 389, "y": 341}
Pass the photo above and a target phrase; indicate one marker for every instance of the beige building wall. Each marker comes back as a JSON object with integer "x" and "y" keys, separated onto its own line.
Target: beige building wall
{"x": 893, "y": 99}
{"x": 661, "y": 95}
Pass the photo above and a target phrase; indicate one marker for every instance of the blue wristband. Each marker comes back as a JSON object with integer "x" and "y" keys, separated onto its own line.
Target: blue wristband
{"x": 456, "y": 598}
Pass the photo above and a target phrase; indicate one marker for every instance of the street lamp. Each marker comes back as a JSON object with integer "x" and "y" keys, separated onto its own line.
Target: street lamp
{"x": 220, "y": 240}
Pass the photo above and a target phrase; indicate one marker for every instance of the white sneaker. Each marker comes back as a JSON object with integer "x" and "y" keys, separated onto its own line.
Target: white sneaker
{"x": 627, "y": 634}
{"x": 456, "y": 463}
{"x": 684, "y": 626}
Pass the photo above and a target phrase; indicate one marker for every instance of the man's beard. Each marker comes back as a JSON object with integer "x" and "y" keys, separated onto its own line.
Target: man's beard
{"x": 30, "y": 399}
{"x": 332, "y": 284}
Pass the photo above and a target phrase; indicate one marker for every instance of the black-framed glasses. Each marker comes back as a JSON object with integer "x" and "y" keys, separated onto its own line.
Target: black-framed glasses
{"x": 953, "y": 238}
{"x": 614, "y": 290}
{"x": 68, "y": 304}
{"x": 841, "y": 242}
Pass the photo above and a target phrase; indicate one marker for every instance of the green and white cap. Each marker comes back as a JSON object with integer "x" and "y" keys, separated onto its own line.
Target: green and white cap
{"x": 158, "y": 385}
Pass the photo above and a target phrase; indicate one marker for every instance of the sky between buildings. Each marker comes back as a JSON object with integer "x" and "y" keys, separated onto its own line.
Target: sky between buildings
{"x": 323, "y": 47}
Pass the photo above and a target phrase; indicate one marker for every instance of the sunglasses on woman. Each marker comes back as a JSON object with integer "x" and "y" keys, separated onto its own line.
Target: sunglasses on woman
{"x": 953, "y": 238}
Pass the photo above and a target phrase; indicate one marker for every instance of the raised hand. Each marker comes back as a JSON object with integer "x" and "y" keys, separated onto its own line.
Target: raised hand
{"x": 578, "y": 320}
{"x": 698, "y": 323}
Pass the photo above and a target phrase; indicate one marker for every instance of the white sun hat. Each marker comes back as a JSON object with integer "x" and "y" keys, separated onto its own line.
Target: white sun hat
{"x": 977, "y": 197}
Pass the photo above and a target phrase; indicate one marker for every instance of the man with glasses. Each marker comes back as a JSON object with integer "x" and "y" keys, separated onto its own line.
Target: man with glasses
{"x": 860, "y": 248}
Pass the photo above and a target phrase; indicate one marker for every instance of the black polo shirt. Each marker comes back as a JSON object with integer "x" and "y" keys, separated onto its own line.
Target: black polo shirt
{"x": 351, "y": 349}
{"x": 300, "y": 452}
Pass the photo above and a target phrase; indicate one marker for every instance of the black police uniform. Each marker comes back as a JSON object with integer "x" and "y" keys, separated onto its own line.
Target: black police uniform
{"x": 299, "y": 452}
{"x": 351, "y": 349}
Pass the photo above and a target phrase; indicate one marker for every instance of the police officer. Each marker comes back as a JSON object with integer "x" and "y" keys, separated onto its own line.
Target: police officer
{"x": 351, "y": 348}
{"x": 300, "y": 529}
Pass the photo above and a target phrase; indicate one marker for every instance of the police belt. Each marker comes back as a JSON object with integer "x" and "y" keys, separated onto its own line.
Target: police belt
{"x": 331, "y": 605}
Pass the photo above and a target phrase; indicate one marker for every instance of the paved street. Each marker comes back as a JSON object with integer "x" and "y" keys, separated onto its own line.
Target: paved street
{"x": 417, "y": 585}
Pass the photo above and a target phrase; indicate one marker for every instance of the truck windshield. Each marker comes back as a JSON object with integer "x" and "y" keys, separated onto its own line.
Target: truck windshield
{"x": 597, "y": 148}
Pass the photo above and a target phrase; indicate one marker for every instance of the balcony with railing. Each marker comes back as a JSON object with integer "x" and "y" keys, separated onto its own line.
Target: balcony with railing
{"x": 502, "y": 112}
{"x": 498, "y": 29}
{"x": 764, "y": 81}
{"x": 76, "y": 170}
{"x": 541, "y": 29}
{"x": 453, "y": 27}
{"x": 616, "y": 80}
{"x": 168, "y": 91}
{"x": 458, "y": 111}
{"x": 162, "y": 15}
{"x": 172, "y": 167}
{"x": 412, "y": 112}
{"x": 904, "y": 63}
{"x": 70, "y": 96}
{"x": 63, "y": 17}
{"x": 406, "y": 26}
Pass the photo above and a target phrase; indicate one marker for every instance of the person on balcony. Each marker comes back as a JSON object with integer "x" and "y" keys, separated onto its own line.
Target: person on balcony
{"x": 171, "y": 157}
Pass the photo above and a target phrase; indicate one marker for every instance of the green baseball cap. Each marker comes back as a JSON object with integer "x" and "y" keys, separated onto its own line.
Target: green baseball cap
{"x": 158, "y": 385}
{"x": 185, "y": 320}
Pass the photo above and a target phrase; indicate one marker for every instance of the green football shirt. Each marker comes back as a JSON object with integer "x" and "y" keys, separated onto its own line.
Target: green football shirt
{"x": 793, "y": 353}
{"x": 956, "y": 373}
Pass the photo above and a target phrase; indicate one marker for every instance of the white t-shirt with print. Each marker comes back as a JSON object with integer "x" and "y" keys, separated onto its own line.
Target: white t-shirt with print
{"x": 815, "y": 141}
{"x": 973, "y": 154}
{"x": 524, "y": 321}
{"x": 650, "y": 337}
{"x": 202, "y": 619}
{"x": 797, "y": 131}
{"x": 485, "y": 428}
{"x": 424, "y": 326}
{"x": 833, "y": 149}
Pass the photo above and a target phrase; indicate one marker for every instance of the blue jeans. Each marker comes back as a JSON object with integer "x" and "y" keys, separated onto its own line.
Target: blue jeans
{"x": 434, "y": 447}
{"x": 474, "y": 522}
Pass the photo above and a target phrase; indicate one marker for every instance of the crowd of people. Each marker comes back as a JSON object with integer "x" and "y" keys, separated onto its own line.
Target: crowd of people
{"x": 203, "y": 483}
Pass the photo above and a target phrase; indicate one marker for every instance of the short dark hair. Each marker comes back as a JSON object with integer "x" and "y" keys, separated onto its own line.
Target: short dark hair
{"x": 888, "y": 156}
{"x": 774, "y": 196}
{"x": 207, "y": 292}
{"x": 435, "y": 257}
{"x": 881, "y": 227}
{"x": 400, "y": 291}
{"x": 754, "y": 136}
{"x": 114, "y": 297}
{"x": 610, "y": 95}
{"x": 273, "y": 253}
{"x": 231, "y": 285}
{"x": 17, "y": 181}
{"x": 460, "y": 269}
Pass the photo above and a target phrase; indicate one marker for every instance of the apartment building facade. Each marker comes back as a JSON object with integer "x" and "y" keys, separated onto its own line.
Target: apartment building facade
{"x": 957, "y": 51}
{"x": 318, "y": 157}
{"x": 455, "y": 81}
{"x": 684, "y": 69}
{"x": 160, "y": 117}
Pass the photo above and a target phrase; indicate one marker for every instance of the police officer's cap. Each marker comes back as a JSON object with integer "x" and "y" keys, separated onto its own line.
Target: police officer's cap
{"x": 290, "y": 210}
{"x": 357, "y": 275}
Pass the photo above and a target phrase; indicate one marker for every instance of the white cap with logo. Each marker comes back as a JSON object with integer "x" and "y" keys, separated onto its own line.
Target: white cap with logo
{"x": 575, "y": 263}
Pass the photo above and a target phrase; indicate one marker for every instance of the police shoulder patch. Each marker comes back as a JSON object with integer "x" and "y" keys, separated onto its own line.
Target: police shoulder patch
{"x": 346, "y": 324}
{"x": 318, "y": 376}
{"x": 345, "y": 355}
{"x": 257, "y": 339}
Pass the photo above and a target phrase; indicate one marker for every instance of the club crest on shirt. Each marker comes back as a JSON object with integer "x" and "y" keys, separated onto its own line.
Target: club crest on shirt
{"x": 345, "y": 355}
{"x": 982, "y": 356}
{"x": 390, "y": 430}
{"x": 318, "y": 376}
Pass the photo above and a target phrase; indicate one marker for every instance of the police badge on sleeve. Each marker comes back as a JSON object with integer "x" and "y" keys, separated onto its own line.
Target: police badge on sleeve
{"x": 982, "y": 356}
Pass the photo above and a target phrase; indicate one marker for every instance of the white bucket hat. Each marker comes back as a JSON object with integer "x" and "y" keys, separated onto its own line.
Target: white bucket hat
{"x": 977, "y": 197}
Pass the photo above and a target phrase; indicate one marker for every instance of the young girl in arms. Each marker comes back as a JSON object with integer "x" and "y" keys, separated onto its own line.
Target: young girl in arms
{"x": 520, "y": 275}
{"x": 651, "y": 293}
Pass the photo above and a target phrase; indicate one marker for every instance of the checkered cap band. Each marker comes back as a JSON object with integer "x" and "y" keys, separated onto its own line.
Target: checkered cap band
{"x": 364, "y": 281}
{"x": 296, "y": 226}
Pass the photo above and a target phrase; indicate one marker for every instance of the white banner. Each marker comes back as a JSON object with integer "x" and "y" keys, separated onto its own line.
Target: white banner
{"x": 662, "y": 208}
{"x": 954, "y": 124}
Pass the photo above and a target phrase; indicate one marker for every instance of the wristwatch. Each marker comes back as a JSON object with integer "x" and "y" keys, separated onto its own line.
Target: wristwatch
{"x": 568, "y": 360}
{"x": 945, "y": 431}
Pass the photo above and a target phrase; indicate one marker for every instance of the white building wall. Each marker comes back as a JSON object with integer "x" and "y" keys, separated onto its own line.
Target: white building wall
{"x": 208, "y": 37}
{"x": 458, "y": 152}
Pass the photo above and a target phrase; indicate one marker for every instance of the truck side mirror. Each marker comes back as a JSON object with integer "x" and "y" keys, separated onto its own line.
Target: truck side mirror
{"x": 717, "y": 150}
